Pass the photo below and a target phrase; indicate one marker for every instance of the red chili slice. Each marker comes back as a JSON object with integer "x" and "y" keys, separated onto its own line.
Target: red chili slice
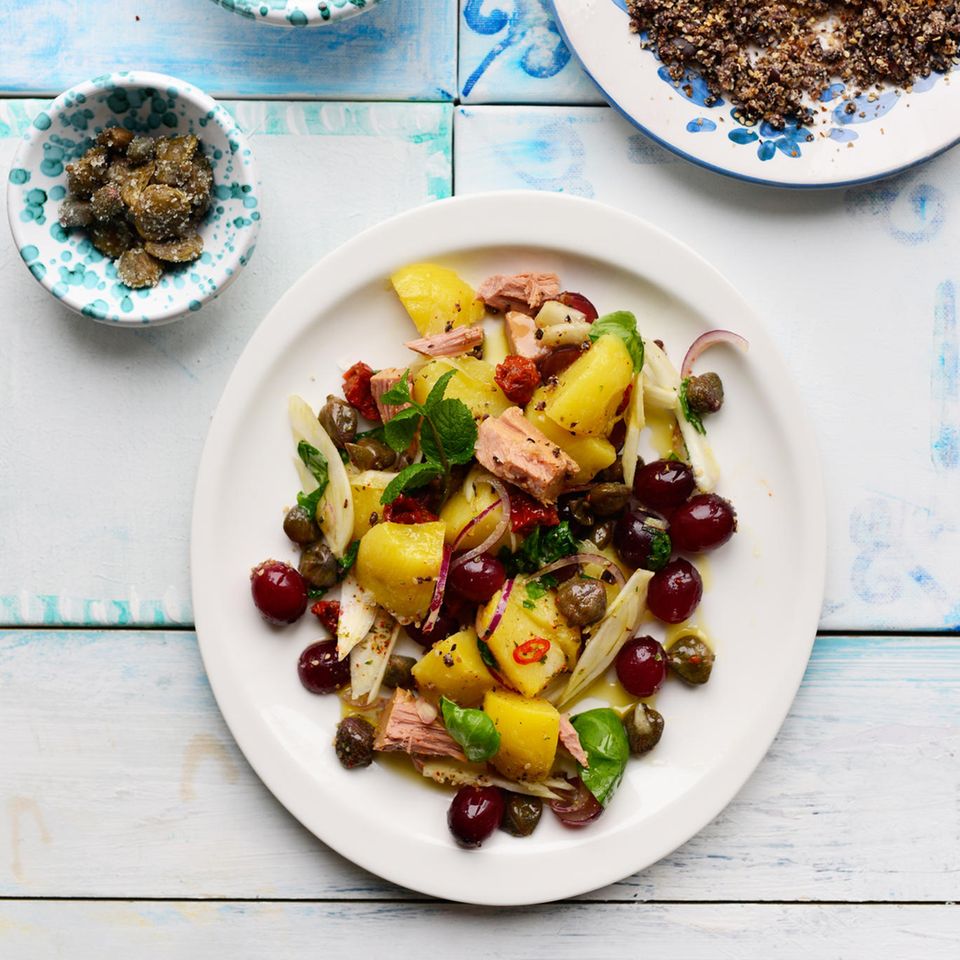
{"x": 328, "y": 613}
{"x": 356, "y": 390}
{"x": 532, "y": 650}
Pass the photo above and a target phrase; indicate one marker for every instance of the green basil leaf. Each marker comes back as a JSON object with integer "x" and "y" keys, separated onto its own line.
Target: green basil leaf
{"x": 691, "y": 416}
{"x": 605, "y": 743}
{"x": 349, "y": 558}
{"x": 472, "y": 729}
{"x": 416, "y": 475}
{"x": 310, "y": 501}
{"x": 399, "y": 393}
{"x": 315, "y": 462}
{"x": 622, "y": 324}
{"x": 400, "y": 430}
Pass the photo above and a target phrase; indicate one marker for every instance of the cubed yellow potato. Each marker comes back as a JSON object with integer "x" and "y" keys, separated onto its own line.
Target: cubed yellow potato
{"x": 592, "y": 454}
{"x": 367, "y": 488}
{"x": 525, "y": 618}
{"x": 589, "y": 391}
{"x": 453, "y": 668}
{"x": 529, "y": 730}
{"x": 436, "y": 298}
{"x": 473, "y": 383}
{"x": 399, "y": 563}
{"x": 458, "y": 511}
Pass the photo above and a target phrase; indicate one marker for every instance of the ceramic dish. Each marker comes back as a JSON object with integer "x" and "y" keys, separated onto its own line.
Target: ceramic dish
{"x": 878, "y": 138}
{"x": 763, "y": 596}
{"x": 297, "y": 13}
{"x": 64, "y": 260}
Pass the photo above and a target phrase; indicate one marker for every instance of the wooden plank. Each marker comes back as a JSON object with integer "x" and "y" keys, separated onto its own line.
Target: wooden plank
{"x": 859, "y": 288}
{"x": 97, "y": 533}
{"x": 121, "y": 780}
{"x": 395, "y": 51}
{"x": 512, "y": 52}
{"x": 575, "y": 931}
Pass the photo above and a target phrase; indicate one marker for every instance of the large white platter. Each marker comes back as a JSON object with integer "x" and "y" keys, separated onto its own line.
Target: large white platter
{"x": 880, "y": 135}
{"x": 764, "y": 588}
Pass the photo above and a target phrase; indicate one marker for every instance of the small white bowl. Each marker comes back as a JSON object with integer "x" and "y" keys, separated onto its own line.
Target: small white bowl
{"x": 65, "y": 262}
{"x": 297, "y": 13}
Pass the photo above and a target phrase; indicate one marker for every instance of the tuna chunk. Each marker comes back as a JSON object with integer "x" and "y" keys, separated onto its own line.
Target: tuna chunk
{"x": 380, "y": 383}
{"x": 452, "y": 343}
{"x": 520, "y": 291}
{"x": 570, "y": 739}
{"x": 522, "y": 335}
{"x": 402, "y": 728}
{"x": 510, "y": 447}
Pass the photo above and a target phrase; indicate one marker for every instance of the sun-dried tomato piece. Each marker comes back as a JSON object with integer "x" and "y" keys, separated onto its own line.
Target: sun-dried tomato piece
{"x": 328, "y": 613}
{"x": 527, "y": 513}
{"x": 517, "y": 377}
{"x": 356, "y": 389}
{"x": 406, "y": 509}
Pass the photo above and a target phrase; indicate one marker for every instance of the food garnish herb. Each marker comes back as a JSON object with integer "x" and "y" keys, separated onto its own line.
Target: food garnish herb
{"x": 691, "y": 416}
{"x": 316, "y": 463}
{"x": 607, "y": 748}
{"x": 472, "y": 729}
{"x": 542, "y": 546}
{"x": 622, "y": 324}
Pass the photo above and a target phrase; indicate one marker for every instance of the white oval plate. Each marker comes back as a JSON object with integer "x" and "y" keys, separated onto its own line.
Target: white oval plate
{"x": 880, "y": 138}
{"x": 764, "y": 588}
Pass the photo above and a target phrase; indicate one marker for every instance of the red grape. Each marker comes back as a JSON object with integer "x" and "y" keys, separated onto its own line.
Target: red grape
{"x": 641, "y": 541}
{"x": 556, "y": 361}
{"x": 675, "y": 591}
{"x": 446, "y": 624}
{"x": 321, "y": 670}
{"x": 663, "y": 483}
{"x": 703, "y": 522}
{"x": 577, "y": 301}
{"x": 474, "y": 814}
{"x": 478, "y": 579}
{"x": 641, "y": 666}
{"x": 279, "y": 591}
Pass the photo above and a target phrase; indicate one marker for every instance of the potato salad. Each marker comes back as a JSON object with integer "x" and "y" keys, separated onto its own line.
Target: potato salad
{"x": 486, "y": 549}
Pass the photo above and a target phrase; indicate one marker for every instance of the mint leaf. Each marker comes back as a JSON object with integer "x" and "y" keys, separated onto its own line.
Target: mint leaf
{"x": 315, "y": 462}
{"x": 691, "y": 416}
{"x": 400, "y": 392}
{"x": 438, "y": 390}
{"x": 416, "y": 475}
{"x": 349, "y": 558}
{"x": 622, "y": 324}
{"x": 400, "y": 430}
{"x": 472, "y": 729}
{"x": 454, "y": 424}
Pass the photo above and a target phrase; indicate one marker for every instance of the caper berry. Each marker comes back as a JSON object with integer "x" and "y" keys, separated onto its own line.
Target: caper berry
{"x": 644, "y": 727}
{"x": 318, "y": 565}
{"x": 521, "y": 814}
{"x": 691, "y": 659}
{"x": 608, "y": 499}
{"x": 299, "y": 526}
{"x": 354, "y": 742}
{"x": 578, "y": 510}
{"x": 399, "y": 672}
{"x": 611, "y": 474}
{"x": 339, "y": 419}
{"x": 581, "y": 601}
{"x": 705, "y": 393}
{"x": 368, "y": 453}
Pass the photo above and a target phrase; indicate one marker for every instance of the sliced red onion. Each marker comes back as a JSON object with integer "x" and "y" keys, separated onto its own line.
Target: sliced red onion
{"x": 498, "y": 612}
{"x": 498, "y": 531}
{"x": 473, "y": 522}
{"x": 707, "y": 340}
{"x": 580, "y": 558}
{"x": 438, "y": 590}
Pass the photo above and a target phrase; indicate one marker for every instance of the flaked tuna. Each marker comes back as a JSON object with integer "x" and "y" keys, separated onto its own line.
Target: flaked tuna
{"x": 525, "y": 292}
{"x": 512, "y": 448}
{"x": 570, "y": 740}
{"x": 451, "y": 343}
{"x": 522, "y": 339}
{"x": 402, "y": 727}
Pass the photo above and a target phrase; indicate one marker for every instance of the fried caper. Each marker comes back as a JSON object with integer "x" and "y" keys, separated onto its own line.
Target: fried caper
{"x": 112, "y": 238}
{"x": 399, "y": 672}
{"x": 521, "y": 814}
{"x": 368, "y": 453}
{"x": 133, "y": 183}
{"x": 105, "y": 204}
{"x": 644, "y": 727}
{"x": 318, "y": 565}
{"x": 705, "y": 393}
{"x": 75, "y": 213}
{"x": 691, "y": 659}
{"x": 87, "y": 173}
{"x": 179, "y": 149}
{"x": 137, "y": 269}
{"x": 299, "y": 526}
{"x": 161, "y": 212}
{"x": 608, "y": 499}
{"x": 581, "y": 601}
{"x": 115, "y": 139}
{"x": 182, "y": 250}
{"x": 354, "y": 742}
{"x": 339, "y": 419}
{"x": 141, "y": 149}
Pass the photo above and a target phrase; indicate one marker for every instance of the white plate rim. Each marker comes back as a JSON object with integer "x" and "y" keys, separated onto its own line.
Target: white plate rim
{"x": 515, "y": 219}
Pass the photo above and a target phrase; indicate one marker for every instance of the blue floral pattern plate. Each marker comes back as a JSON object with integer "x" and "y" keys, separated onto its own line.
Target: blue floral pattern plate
{"x": 297, "y": 13}
{"x": 65, "y": 261}
{"x": 856, "y": 138}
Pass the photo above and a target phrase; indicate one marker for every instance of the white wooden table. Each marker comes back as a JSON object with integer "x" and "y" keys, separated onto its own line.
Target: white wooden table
{"x": 130, "y": 824}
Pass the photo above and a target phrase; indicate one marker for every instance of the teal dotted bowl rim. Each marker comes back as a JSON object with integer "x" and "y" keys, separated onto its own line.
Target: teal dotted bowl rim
{"x": 297, "y": 13}
{"x": 229, "y": 244}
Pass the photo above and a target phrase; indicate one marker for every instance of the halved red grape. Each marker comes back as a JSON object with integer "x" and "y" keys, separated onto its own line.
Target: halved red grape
{"x": 641, "y": 666}
{"x": 556, "y": 361}
{"x": 675, "y": 591}
{"x": 478, "y": 579}
{"x": 320, "y": 669}
{"x": 577, "y": 301}
{"x": 474, "y": 814}
{"x": 703, "y": 522}
{"x": 446, "y": 624}
{"x": 279, "y": 591}
{"x": 663, "y": 483}
{"x": 577, "y": 806}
